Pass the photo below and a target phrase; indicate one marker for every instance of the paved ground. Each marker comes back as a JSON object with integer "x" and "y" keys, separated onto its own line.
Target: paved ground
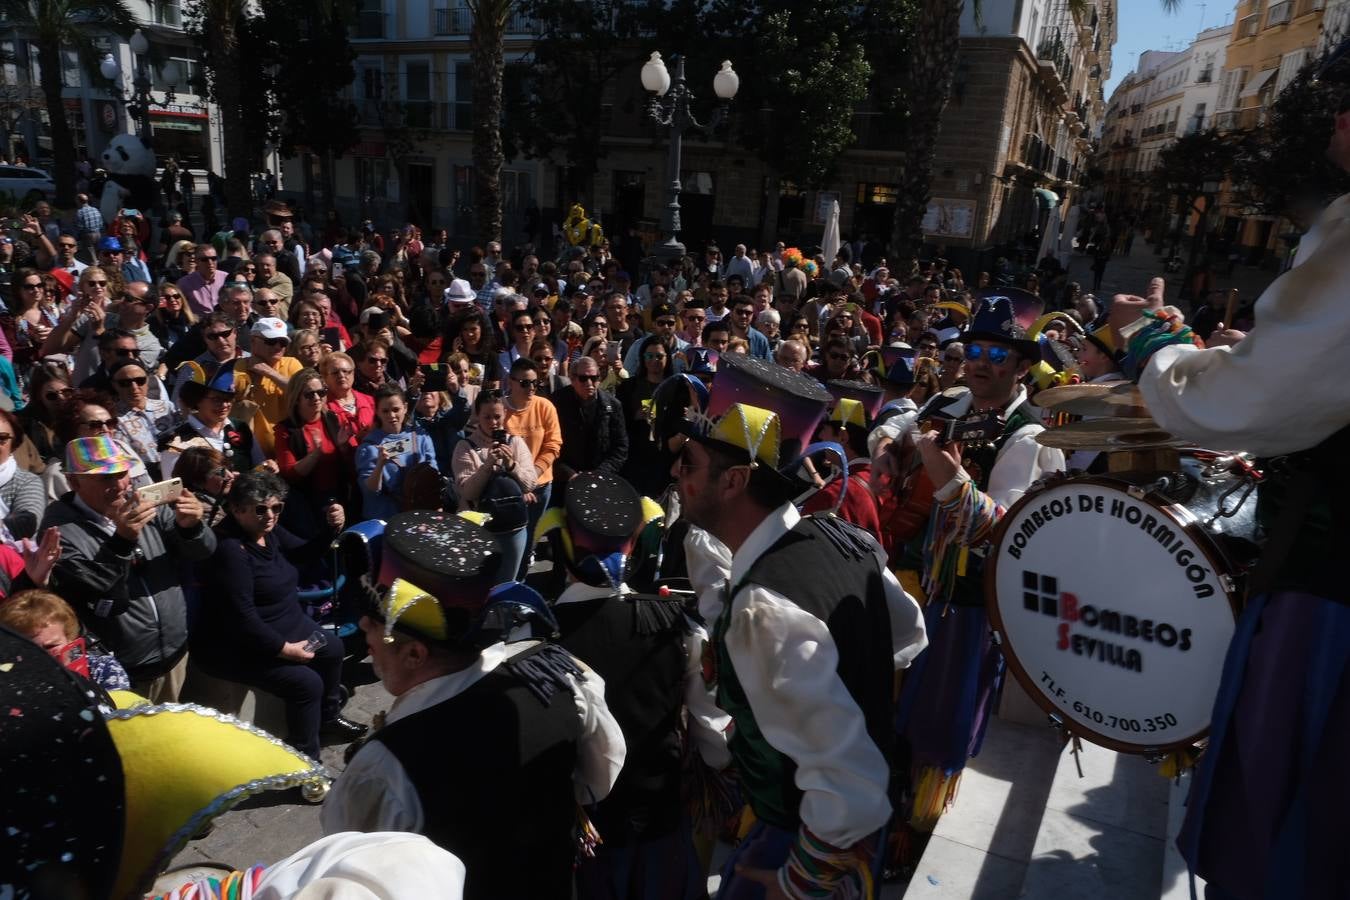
{"x": 1131, "y": 274}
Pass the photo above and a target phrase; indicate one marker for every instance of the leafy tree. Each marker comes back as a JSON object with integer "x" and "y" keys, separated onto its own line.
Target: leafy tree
{"x": 486, "y": 56}
{"x": 222, "y": 28}
{"x": 56, "y": 25}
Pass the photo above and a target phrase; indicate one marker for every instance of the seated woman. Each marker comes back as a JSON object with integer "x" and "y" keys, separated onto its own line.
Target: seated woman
{"x": 22, "y": 501}
{"x": 494, "y": 473}
{"x": 48, "y": 621}
{"x": 353, "y": 408}
{"x": 86, "y": 416}
{"x": 141, "y": 419}
{"x": 316, "y": 455}
{"x": 50, "y": 394}
{"x": 305, "y": 346}
{"x": 379, "y": 468}
{"x": 209, "y": 425}
{"x": 250, "y": 629}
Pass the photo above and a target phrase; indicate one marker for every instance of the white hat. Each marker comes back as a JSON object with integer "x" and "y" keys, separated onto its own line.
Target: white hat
{"x": 370, "y": 311}
{"x": 270, "y": 328}
{"x": 459, "y": 292}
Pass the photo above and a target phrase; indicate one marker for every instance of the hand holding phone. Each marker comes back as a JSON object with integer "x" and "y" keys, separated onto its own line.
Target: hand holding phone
{"x": 161, "y": 492}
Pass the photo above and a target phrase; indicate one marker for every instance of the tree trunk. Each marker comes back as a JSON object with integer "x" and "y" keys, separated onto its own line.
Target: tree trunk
{"x": 238, "y": 189}
{"x": 485, "y": 47}
{"x": 930, "y": 62}
{"x": 63, "y": 145}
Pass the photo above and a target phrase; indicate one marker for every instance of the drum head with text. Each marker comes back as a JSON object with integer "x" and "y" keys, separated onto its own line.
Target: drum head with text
{"x": 1114, "y": 612}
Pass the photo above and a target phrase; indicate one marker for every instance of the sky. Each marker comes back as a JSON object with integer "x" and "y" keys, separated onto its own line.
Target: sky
{"x": 1144, "y": 26}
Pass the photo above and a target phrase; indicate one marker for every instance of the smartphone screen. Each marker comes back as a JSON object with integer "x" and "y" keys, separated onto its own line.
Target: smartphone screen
{"x": 437, "y": 377}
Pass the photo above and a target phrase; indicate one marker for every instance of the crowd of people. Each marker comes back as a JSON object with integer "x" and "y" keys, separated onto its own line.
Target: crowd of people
{"x": 189, "y": 428}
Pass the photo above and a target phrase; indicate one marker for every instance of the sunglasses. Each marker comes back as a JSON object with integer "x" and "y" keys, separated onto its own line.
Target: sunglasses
{"x": 207, "y": 258}
{"x": 218, "y": 335}
{"x": 58, "y": 394}
{"x": 528, "y": 384}
{"x": 378, "y": 360}
{"x": 99, "y": 424}
{"x": 543, "y": 360}
{"x": 64, "y": 246}
{"x": 277, "y": 342}
{"x": 263, "y": 510}
{"x": 666, "y": 323}
{"x": 98, "y": 284}
{"x": 318, "y": 394}
{"x": 996, "y": 355}
{"x": 164, "y": 296}
{"x": 128, "y": 382}
{"x": 345, "y": 372}
{"x": 526, "y": 326}
{"x": 586, "y": 379}
{"x": 266, "y": 301}
{"x": 124, "y": 352}
{"x": 33, "y": 286}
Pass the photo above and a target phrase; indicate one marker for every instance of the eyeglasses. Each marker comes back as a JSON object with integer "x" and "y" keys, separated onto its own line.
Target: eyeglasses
{"x": 207, "y": 258}
{"x": 543, "y": 360}
{"x": 58, "y": 394}
{"x": 317, "y": 394}
{"x": 378, "y": 360}
{"x": 344, "y": 372}
{"x": 586, "y": 379}
{"x": 266, "y": 301}
{"x": 65, "y": 246}
{"x": 263, "y": 510}
{"x": 33, "y": 286}
{"x": 217, "y": 335}
{"x": 528, "y": 384}
{"x": 525, "y": 326}
{"x": 125, "y": 352}
{"x": 747, "y": 312}
{"x": 97, "y": 284}
{"x": 99, "y": 424}
{"x": 164, "y": 296}
{"x": 277, "y": 342}
{"x": 665, "y": 323}
{"x": 995, "y": 354}
{"x": 128, "y": 382}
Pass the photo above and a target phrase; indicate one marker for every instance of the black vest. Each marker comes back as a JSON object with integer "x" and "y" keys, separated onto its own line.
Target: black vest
{"x": 493, "y": 770}
{"x": 828, "y": 568}
{"x": 637, "y": 644}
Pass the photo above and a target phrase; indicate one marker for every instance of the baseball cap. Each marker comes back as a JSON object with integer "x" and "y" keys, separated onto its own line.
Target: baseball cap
{"x": 270, "y": 328}
{"x": 459, "y": 292}
{"x": 100, "y": 455}
{"x": 110, "y": 243}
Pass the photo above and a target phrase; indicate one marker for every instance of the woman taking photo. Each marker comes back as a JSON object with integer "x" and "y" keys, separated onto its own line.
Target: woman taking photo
{"x": 648, "y": 465}
{"x": 611, "y": 373}
{"x": 442, "y": 416}
{"x": 494, "y": 473}
{"x": 251, "y": 628}
{"x": 390, "y": 449}
{"x": 206, "y": 472}
{"x": 353, "y": 408}
{"x": 472, "y": 335}
{"x": 315, "y": 454}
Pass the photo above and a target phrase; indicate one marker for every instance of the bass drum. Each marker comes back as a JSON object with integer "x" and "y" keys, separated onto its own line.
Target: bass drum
{"x": 1115, "y": 606}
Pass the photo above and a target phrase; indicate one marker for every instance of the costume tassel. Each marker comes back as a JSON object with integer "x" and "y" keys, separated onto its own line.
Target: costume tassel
{"x": 545, "y": 671}
{"x": 934, "y": 793}
{"x": 588, "y": 836}
{"x": 964, "y": 521}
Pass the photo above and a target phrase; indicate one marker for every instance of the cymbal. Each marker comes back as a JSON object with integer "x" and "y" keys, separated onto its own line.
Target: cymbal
{"x": 1109, "y": 434}
{"x": 1113, "y": 398}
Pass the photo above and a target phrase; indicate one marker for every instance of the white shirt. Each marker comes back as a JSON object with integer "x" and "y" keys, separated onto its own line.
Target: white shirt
{"x": 1283, "y": 388}
{"x": 708, "y": 724}
{"x": 742, "y": 266}
{"x": 787, "y": 664}
{"x": 375, "y": 793}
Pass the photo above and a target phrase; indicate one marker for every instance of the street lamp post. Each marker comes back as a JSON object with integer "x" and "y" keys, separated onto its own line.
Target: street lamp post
{"x": 140, "y": 101}
{"x": 671, "y": 107}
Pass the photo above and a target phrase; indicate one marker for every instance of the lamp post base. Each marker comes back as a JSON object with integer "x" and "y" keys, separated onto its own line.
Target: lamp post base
{"x": 668, "y": 251}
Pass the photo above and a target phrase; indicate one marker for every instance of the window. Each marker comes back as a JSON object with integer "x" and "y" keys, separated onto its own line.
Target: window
{"x": 463, "y": 97}
{"x": 372, "y": 82}
{"x": 515, "y": 189}
{"x": 168, "y": 12}
{"x": 71, "y": 73}
{"x": 1290, "y": 63}
{"x": 417, "y": 80}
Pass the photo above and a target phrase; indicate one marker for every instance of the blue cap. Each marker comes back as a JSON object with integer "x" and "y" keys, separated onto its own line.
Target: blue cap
{"x": 110, "y": 243}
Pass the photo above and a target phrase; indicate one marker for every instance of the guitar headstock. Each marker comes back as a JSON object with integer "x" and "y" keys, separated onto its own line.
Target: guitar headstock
{"x": 974, "y": 428}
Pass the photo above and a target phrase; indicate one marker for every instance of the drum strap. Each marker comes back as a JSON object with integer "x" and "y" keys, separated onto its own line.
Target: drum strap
{"x": 1284, "y": 533}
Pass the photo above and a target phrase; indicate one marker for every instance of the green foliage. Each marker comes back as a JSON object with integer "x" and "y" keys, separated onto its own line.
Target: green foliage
{"x": 1186, "y": 164}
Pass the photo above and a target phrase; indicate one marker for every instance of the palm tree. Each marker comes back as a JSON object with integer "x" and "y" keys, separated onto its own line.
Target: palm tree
{"x": 485, "y": 50}
{"x": 54, "y": 26}
{"x": 222, "y": 24}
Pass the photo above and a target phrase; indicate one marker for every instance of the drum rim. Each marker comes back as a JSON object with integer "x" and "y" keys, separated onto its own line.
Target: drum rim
{"x": 1185, "y": 520}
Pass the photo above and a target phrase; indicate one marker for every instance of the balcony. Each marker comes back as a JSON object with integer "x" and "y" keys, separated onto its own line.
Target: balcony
{"x": 454, "y": 20}
{"x": 1055, "y": 67}
{"x": 1279, "y": 14}
{"x": 169, "y": 14}
{"x": 1240, "y": 119}
{"x": 1248, "y": 26}
{"x": 370, "y": 25}
{"x": 427, "y": 115}
{"x": 519, "y": 23}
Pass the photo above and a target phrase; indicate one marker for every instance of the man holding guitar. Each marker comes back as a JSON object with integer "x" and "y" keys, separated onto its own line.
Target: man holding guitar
{"x": 952, "y": 687}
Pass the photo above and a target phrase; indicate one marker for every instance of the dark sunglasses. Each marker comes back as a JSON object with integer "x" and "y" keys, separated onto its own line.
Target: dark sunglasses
{"x": 586, "y": 378}
{"x": 99, "y": 424}
{"x": 124, "y": 352}
{"x": 276, "y": 342}
{"x": 996, "y": 354}
{"x": 33, "y": 286}
{"x": 526, "y": 326}
{"x": 318, "y": 394}
{"x": 217, "y": 335}
{"x": 528, "y": 384}
{"x": 128, "y": 382}
{"x": 666, "y": 323}
{"x": 263, "y": 509}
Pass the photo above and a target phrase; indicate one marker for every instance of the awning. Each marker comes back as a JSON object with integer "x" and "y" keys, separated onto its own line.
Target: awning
{"x": 1047, "y": 197}
{"x": 1257, "y": 82}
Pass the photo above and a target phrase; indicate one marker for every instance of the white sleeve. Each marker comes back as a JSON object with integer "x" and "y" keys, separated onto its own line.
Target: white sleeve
{"x": 908, "y": 634}
{"x": 1020, "y": 462}
{"x": 891, "y": 429}
{"x": 709, "y": 725}
{"x": 786, "y": 661}
{"x": 373, "y": 794}
{"x": 1283, "y": 388}
{"x": 601, "y": 749}
{"x": 709, "y": 563}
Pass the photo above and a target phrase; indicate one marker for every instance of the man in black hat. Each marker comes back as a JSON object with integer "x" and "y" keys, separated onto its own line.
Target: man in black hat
{"x": 649, "y": 653}
{"x": 1271, "y": 789}
{"x": 491, "y": 742}
{"x": 809, "y": 627}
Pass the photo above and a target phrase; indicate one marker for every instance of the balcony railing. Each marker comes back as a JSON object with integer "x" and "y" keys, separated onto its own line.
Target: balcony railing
{"x": 1240, "y": 119}
{"x": 1248, "y": 26}
{"x": 453, "y": 20}
{"x": 1279, "y": 14}
{"x": 370, "y": 25}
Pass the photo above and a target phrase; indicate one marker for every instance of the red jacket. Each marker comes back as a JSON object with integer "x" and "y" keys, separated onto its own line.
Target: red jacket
{"x": 859, "y": 506}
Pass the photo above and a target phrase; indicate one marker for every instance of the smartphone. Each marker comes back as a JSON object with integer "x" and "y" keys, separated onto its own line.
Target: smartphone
{"x": 338, "y": 270}
{"x": 437, "y": 377}
{"x": 500, "y": 436}
{"x": 316, "y": 640}
{"x": 74, "y": 656}
{"x": 377, "y": 321}
{"x": 396, "y": 445}
{"x": 161, "y": 492}
{"x": 612, "y": 351}
{"x": 131, "y": 213}
{"x": 332, "y": 337}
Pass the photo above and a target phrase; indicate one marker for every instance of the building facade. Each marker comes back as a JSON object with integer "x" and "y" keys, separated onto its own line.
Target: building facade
{"x": 186, "y": 127}
{"x": 1025, "y": 104}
